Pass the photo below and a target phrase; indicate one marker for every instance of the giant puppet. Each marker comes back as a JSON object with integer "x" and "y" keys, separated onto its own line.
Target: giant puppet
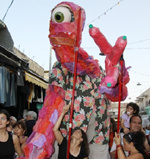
{"x": 93, "y": 88}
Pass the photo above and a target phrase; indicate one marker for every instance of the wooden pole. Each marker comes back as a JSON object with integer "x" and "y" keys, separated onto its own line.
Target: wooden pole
{"x": 74, "y": 82}
{"x": 120, "y": 97}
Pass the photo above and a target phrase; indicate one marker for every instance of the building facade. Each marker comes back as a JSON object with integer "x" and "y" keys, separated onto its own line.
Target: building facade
{"x": 22, "y": 83}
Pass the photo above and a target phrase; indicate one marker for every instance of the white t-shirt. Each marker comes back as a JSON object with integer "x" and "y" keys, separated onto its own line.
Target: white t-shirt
{"x": 126, "y": 119}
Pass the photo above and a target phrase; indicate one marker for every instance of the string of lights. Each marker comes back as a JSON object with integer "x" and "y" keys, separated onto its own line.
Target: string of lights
{"x": 142, "y": 74}
{"x": 105, "y": 12}
{"x": 141, "y": 82}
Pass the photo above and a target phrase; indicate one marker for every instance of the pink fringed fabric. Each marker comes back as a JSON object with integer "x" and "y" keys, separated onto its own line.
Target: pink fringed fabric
{"x": 39, "y": 144}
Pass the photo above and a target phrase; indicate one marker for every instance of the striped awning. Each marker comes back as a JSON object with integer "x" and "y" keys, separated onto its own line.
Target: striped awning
{"x": 35, "y": 80}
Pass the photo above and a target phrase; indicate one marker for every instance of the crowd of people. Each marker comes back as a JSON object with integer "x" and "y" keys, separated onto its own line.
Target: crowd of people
{"x": 14, "y": 133}
{"x": 130, "y": 143}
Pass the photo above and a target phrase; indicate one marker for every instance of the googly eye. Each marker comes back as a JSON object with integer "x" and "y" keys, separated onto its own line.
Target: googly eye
{"x": 61, "y": 14}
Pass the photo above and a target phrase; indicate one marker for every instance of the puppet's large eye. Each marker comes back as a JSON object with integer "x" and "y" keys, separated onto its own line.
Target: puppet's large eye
{"x": 61, "y": 14}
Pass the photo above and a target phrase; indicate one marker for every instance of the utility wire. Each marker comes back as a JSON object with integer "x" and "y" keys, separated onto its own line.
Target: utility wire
{"x": 94, "y": 47}
{"x": 139, "y": 41}
{"x": 7, "y": 10}
{"x": 137, "y": 48}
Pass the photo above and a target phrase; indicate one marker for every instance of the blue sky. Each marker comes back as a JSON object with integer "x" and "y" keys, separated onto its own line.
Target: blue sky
{"x": 28, "y": 23}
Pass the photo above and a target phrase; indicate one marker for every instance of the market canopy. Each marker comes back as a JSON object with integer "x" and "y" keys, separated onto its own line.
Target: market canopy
{"x": 35, "y": 80}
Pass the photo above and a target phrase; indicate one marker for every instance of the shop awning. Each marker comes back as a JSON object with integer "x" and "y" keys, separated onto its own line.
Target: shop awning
{"x": 35, "y": 80}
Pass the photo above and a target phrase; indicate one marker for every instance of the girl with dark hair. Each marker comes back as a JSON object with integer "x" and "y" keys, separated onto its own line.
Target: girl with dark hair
{"x": 134, "y": 144}
{"x": 131, "y": 109}
{"x": 20, "y": 129}
{"x": 78, "y": 143}
{"x": 9, "y": 143}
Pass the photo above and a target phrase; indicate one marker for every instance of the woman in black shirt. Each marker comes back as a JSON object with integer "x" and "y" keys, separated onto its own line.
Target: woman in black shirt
{"x": 78, "y": 143}
{"x": 9, "y": 143}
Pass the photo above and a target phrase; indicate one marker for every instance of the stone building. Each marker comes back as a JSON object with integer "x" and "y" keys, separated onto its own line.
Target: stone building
{"x": 22, "y": 83}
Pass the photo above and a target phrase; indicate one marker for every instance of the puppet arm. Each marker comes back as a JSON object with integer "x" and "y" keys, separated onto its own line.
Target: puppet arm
{"x": 40, "y": 143}
{"x": 110, "y": 83}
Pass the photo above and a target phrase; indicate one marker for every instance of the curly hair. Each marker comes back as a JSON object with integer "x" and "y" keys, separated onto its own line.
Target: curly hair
{"x": 138, "y": 139}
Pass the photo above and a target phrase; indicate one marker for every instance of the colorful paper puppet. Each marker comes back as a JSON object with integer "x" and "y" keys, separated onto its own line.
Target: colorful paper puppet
{"x": 91, "y": 89}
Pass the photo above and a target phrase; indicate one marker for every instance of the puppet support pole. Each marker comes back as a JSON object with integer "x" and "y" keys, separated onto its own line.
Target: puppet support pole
{"x": 74, "y": 82}
{"x": 119, "y": 103}
{"x": 120, "y": 94}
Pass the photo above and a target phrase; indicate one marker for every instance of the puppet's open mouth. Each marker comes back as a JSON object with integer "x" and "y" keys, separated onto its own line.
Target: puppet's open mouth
{"x": 62, "y": 41}
{"x": 63, "y": 38}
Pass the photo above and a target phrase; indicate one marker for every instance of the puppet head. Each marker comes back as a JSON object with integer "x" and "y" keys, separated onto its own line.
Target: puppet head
{"x": 64, "y": 24}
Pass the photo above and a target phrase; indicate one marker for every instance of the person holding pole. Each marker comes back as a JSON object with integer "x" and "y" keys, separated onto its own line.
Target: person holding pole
{"x": 134, "y": 144}
{"x": 76, "y": 76}
{"x": 78, "y": 143}
{"x": 135, "y": 126}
